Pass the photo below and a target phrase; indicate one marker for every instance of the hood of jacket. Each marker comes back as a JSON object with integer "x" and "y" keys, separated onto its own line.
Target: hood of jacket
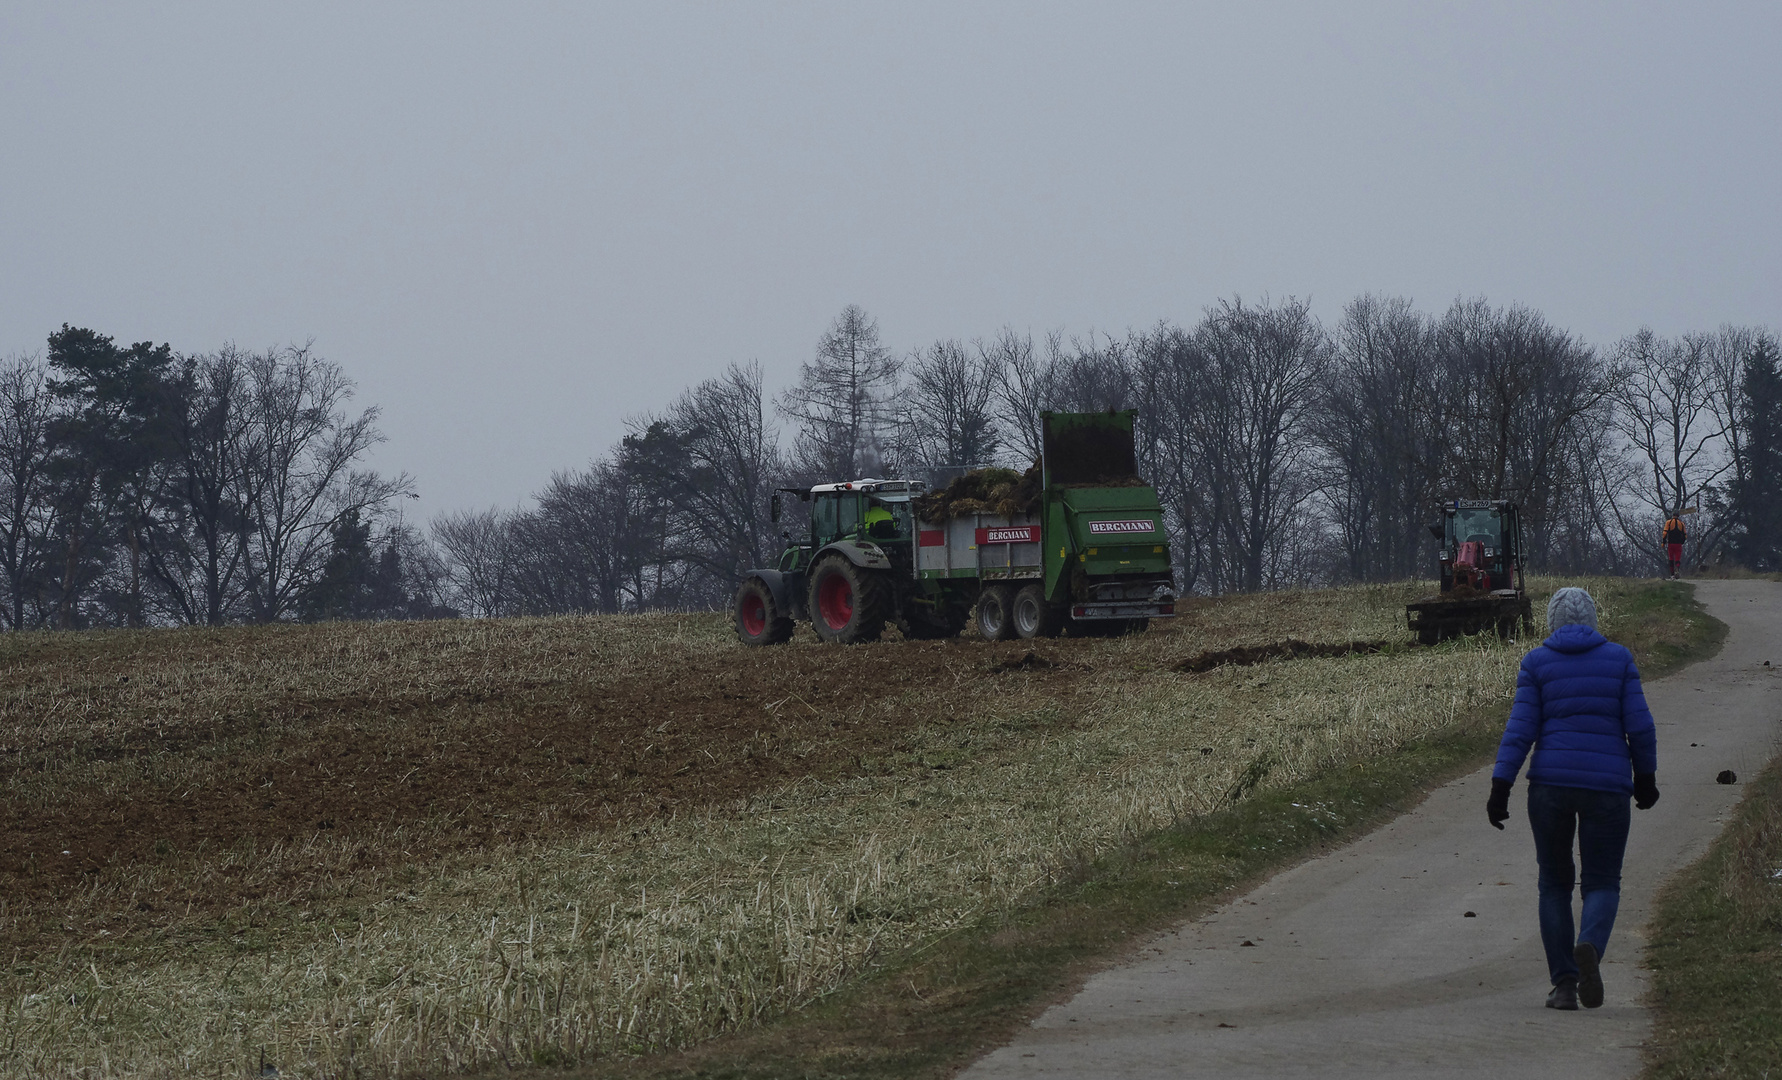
{"x": 1574, "y": 638}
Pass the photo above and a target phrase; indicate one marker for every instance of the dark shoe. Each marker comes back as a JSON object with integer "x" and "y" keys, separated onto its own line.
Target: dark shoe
{"x": 1564, "y": 996}
{"x": 1590, "y": 977}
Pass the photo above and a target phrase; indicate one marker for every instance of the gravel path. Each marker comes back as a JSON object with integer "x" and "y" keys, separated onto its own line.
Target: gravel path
{"x": 1415, "y": 951}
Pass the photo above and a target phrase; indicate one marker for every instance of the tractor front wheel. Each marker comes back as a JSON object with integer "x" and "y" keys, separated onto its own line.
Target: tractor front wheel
{"x": 847, "y": 603}
{"x": 758, "y": 618}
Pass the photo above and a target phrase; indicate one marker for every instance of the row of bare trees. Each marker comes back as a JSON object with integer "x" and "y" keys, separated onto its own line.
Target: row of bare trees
{"x": 139, "y": 486}
{"x": 1286, "y": 452}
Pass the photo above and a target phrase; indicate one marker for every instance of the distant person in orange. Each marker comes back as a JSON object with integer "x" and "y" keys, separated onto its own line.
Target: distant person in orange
{"x": 1674, "y": 536}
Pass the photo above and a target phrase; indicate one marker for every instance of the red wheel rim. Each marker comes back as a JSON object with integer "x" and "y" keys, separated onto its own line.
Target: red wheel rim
{"x": 835, "y": 601}
{"x": 754, "y": 615}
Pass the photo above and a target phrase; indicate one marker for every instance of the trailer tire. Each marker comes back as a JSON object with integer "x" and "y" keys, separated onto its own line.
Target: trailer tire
{"x": 848, "y": 603}
{"x": 757, "y": 618}
{"x": 1032, "y": 615}
{"x": 993, "y": 615}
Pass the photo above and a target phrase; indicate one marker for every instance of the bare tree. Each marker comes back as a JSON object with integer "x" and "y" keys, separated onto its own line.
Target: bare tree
{"x": 1728, "y": 353}
{"x": 1025, "y": 389}
{"x": 718, "y": 476}
{"x": 299, "y": 449}
{"x": 1666, "y": 411}
{"x": 1512, "y": 390}
{"x": 27, "y": 413}
{"x": 197, "y": 555}
{"x": 948, "y": 422}
{"x": 1266, "y": 365}
{"x": 840, "y": 402}
{"x": 589, "y": 547}
{"x": 480, "y": 559}
{"x": 1380, "y": 436}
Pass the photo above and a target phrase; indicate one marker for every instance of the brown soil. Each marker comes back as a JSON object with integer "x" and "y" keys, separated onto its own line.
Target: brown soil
{"x": 450, "y": 770}
{"x": 1292, "y": 648}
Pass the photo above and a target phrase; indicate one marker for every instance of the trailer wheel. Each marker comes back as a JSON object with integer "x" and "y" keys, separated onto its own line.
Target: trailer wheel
{"x": 847, "y": 603}
{"x": 758, "y": 618}
{"x": 994, "y": 622}
{"x": 1033, "y": 617}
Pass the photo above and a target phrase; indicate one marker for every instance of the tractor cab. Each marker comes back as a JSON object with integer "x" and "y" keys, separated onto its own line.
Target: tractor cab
{"x": 1481, "y": 546}
{"x": 878, "y": 512}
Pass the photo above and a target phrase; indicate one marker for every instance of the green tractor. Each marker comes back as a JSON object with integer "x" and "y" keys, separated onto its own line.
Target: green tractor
{"x": 852, "y": 576}
{"x": 1481, "y": 574}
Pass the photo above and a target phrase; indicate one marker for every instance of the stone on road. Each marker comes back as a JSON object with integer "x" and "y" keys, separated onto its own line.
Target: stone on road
{"x": 1364, "y": 962}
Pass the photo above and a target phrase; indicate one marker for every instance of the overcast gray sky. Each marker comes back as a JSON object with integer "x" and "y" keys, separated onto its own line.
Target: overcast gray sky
{"x": 517, "y": 224}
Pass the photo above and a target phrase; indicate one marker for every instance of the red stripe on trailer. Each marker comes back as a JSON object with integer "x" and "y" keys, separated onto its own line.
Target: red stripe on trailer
{"x": 932, "y": 538}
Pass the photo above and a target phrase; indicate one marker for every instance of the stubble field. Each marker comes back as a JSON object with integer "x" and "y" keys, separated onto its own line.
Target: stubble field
{"x": 414, "y": 848}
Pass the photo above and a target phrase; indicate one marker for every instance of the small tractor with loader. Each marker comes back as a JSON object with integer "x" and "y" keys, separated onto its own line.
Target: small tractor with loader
{"x": 1481, "y": 574}
{"x": 1076, "y": 545}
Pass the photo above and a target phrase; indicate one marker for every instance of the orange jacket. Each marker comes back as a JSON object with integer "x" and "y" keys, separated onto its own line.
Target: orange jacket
{"x": 1675, "y": 532}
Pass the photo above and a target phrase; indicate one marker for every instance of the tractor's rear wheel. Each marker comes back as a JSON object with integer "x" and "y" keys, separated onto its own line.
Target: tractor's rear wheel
{"x": 758, "y": 618}
{"x": 1033, "y": 616}
{"x": 848, "y": 604}
{"x": 995, "y": 621}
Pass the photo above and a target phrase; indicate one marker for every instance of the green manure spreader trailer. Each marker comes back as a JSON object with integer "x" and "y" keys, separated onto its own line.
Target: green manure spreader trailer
{"x": 1075, "y": 546}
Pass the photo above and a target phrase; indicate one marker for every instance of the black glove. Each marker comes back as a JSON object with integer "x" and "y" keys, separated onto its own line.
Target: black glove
{"x": 1497, "y": 808}
{"x": 1645, "y": 790}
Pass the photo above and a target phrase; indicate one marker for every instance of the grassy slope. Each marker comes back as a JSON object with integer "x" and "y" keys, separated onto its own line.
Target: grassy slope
{"x": 1716, "y": 954}
{"x": 934, "y": 1011}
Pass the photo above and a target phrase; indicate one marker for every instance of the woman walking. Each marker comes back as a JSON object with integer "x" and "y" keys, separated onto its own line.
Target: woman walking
{"x": 1579, "y": 704}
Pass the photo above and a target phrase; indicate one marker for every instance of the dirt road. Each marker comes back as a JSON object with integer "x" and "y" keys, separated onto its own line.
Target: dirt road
{"x": 1415, "y": 951}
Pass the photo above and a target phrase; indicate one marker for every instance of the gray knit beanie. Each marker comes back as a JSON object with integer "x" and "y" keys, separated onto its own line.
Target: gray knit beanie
{"x": 1571, "y": 605}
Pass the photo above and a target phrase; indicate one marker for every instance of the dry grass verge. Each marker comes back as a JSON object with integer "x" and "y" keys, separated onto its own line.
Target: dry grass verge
{"x": 1716, "y": 954}
{"x": 745, "y": 833}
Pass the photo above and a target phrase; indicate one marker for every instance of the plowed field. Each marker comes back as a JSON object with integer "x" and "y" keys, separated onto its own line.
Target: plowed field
{"x": 123, "y": 749}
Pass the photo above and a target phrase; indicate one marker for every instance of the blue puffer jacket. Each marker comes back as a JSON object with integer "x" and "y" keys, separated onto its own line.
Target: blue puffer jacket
{"x": 1579, "y": 704}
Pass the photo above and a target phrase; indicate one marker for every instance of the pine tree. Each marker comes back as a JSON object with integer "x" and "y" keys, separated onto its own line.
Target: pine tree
{"x": 1756, "y": 499}
{"x": 841, "y": 401}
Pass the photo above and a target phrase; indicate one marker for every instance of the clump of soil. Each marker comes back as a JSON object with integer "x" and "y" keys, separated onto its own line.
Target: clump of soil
{"x": 1292, "y": 648}
{"x": 983, "y": 491}
{"x": 1028, "y": 661}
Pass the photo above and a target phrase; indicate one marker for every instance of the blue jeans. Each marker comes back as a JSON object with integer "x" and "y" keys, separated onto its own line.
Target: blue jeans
{"x": 1600, "y": 820}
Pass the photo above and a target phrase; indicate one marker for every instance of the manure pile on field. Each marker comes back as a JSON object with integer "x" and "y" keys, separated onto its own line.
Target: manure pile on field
{"x": 1292, "y": 648}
